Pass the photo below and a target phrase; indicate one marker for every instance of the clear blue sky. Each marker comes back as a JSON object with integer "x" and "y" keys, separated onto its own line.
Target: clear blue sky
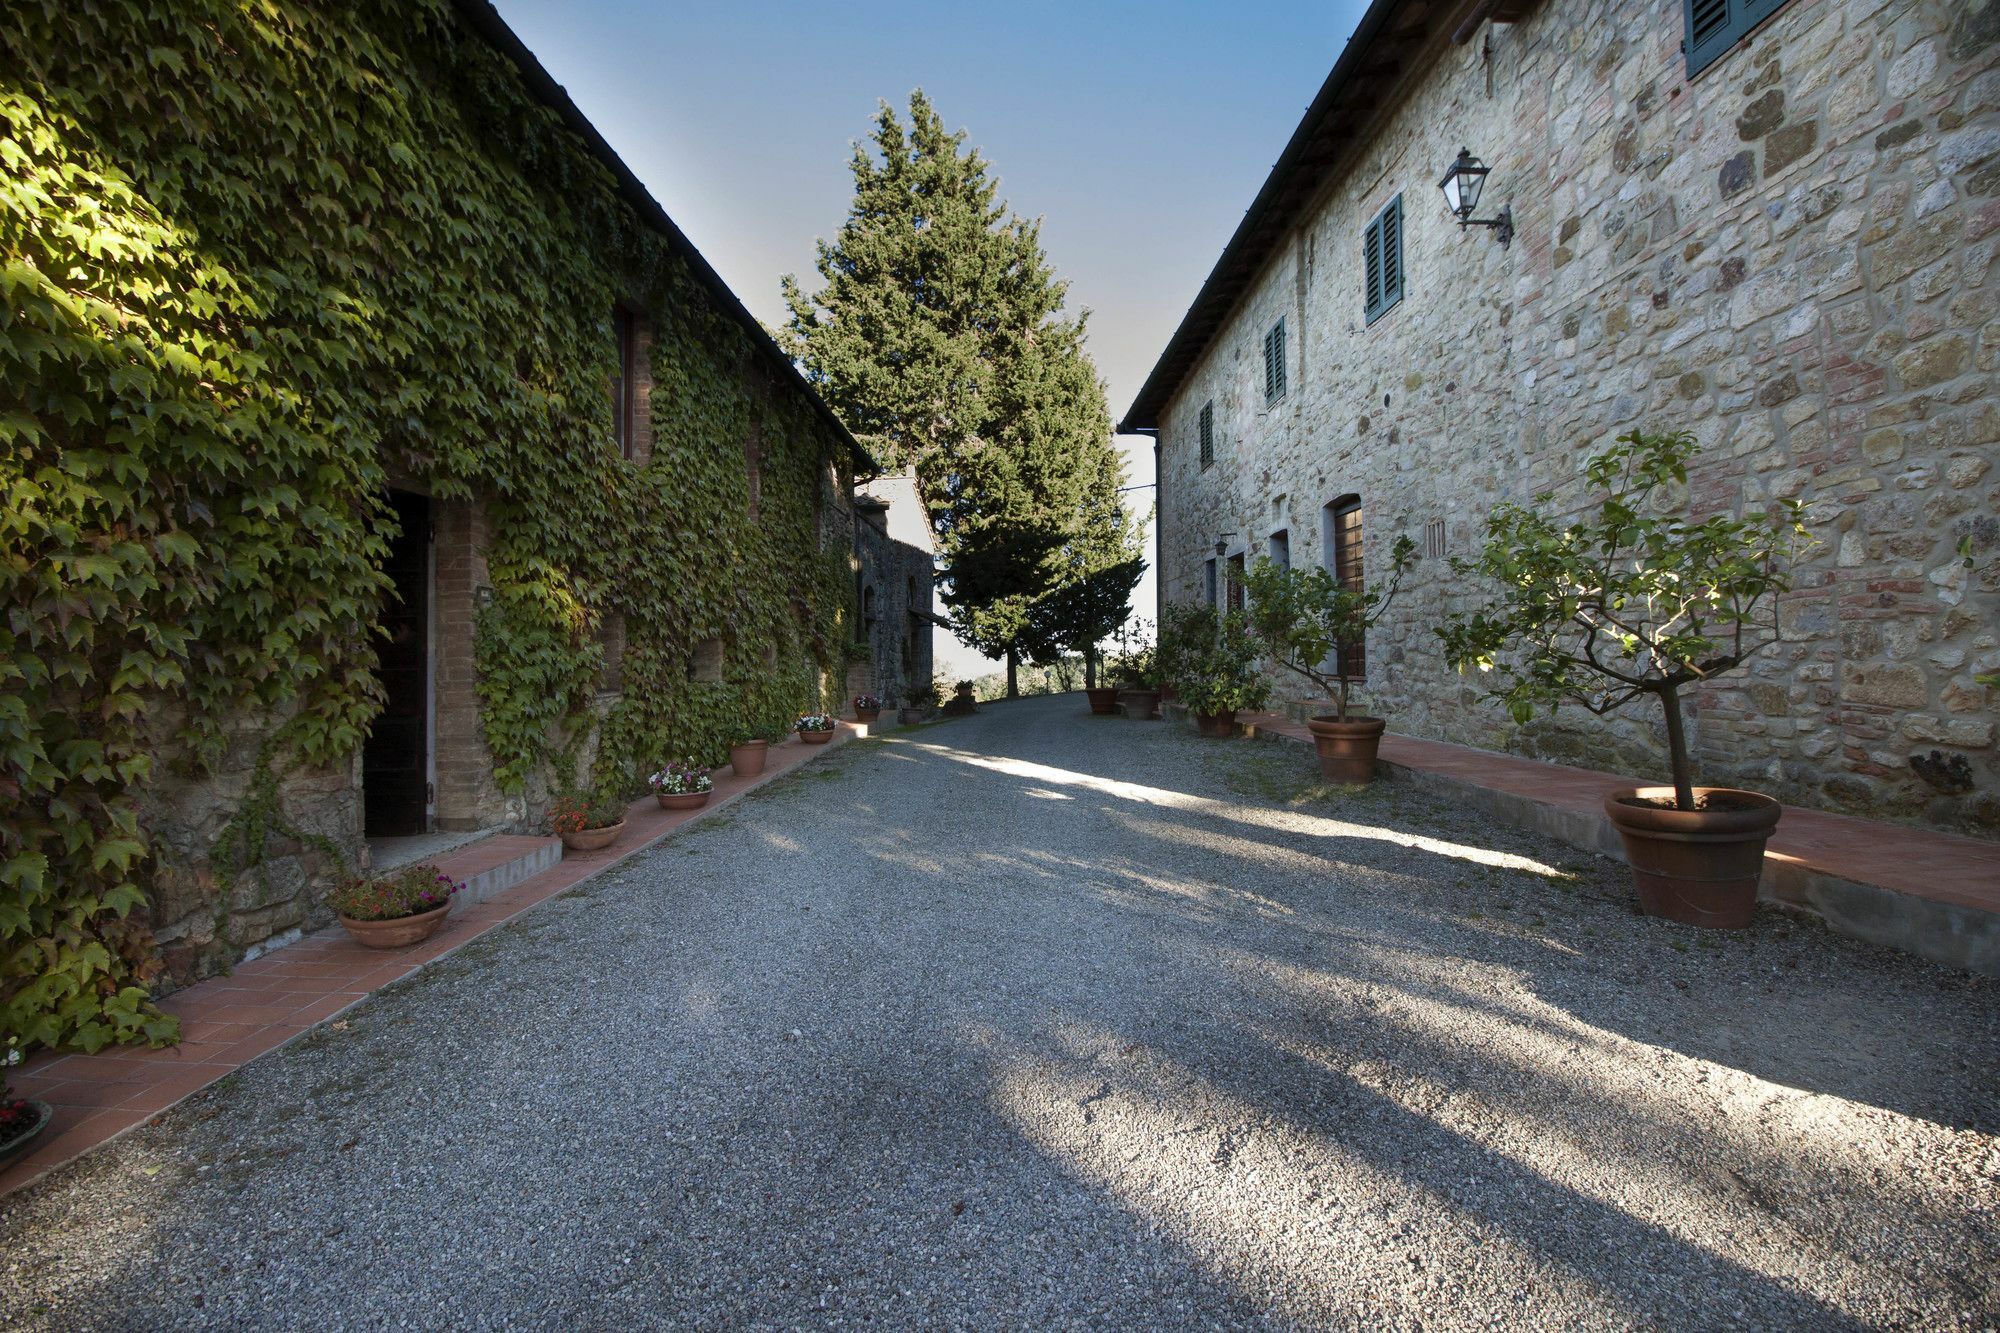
{"x": 1138, "y": 133}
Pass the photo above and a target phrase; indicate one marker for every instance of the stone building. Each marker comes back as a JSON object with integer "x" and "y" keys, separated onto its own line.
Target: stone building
{"x": 1777, "y": 231}
{"x": 630, "y": 537}
{"x": 893, "y": 547}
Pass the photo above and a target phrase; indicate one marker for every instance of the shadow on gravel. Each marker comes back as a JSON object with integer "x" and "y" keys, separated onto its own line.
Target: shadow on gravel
{"x": 1786, "y": 1001}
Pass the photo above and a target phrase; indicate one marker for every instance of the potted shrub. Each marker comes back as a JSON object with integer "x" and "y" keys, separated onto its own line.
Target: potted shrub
{"x": 1210, "y": 658}
{"x": 21, "y": 1118}
{"x": 396, "y": 908}
{"x": 1307, "y": 620}
{"x": 587, "y": 823}
{"x": 681, "y": 786}
{"x": 1636, "y": 600}
{"x": 814, "y": 728}
{"x": 962, "y": 701}
{"x": 1135, "y": 667}
{"x": 922, "y": 699}
{"x": 867, "y": 708}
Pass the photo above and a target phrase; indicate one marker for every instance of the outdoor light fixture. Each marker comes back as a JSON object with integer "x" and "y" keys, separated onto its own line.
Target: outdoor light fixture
{"x": 1222, "y": 543}
{"x": 1461, "y": 186}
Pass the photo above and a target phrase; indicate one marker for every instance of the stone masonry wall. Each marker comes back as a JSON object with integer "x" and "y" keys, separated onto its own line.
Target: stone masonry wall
{"x": 1791, "y": 255}
{"x": 898, "y": 635}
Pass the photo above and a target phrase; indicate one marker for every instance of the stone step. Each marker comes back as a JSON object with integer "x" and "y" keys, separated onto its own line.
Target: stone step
{"x": 498, "y": 863}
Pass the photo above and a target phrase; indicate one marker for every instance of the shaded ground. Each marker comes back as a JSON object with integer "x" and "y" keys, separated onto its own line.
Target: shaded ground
{"x": 1035, "y": 1018}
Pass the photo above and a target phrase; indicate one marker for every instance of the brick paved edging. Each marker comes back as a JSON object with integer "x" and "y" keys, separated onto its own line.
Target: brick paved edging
{"x": 228, "y": 1021}
{"x": 1928, "y": 893}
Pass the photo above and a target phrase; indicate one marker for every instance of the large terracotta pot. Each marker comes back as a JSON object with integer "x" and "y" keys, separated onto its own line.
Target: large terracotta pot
{"x": 1696, "y": 866}
{"x": 816, "y": 737}
{"x": 1347, "y": 749}
{"x": 1103, "y": 700}
{"x": 747, "y": 757}
{"x": 909, "y": 717}
{"x": 1139, "y": 704}
{"x": 593, "y": 839}
{"x": 39, "y": 1121}
{"x": 1217, "y": 726}
{"x": 681, "y": 800}
{"x": 396, "y": 932}
{"x": 867, "y": 714}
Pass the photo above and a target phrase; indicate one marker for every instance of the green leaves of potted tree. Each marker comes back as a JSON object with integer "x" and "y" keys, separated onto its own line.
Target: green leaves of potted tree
{"x": 1313, "y": 625}
{"x": 1632, "y": 602}
{"x": 1210, "y": 659}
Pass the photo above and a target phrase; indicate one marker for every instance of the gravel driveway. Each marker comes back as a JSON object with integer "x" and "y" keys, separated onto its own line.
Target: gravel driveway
{"x": 1037, "y": 1019}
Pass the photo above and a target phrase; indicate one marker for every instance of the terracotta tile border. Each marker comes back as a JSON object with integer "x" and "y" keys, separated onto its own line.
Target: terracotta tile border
{"x": 226, "y": 1022}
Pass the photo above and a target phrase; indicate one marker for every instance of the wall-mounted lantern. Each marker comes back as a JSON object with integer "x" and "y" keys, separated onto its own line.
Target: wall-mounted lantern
{"x": 1461, "y": 186}
{"x": 1222, "y": 544}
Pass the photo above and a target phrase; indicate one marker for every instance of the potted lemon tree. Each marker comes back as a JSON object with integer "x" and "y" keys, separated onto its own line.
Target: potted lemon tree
{"x": 1312, "y": 624}
{"x": 1638, "y": 600}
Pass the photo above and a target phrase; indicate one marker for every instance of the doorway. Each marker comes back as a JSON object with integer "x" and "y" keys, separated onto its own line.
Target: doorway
{"x": 396, "y": 761}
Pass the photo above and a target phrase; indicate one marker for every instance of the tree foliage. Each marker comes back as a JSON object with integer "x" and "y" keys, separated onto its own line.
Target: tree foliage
{"x": 938, "y": 335}
{"x": 1211, "y": 658}
{"x": 1303, "y": 616}
{"x": 1633, "y": 599}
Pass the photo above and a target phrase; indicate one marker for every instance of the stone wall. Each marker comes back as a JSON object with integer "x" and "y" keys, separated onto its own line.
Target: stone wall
{"x": 895, "y": 595}
{"x": 1790, "y": 255}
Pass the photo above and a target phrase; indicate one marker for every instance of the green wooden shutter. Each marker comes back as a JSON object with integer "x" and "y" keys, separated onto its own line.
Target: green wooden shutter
{"x": 1274, "y": 363}
{"x": 1392, "y": 252}
{"x": 1371, "y": 263}
{"x": 1713, "y": 26}
{"x": 1208, "y": 432}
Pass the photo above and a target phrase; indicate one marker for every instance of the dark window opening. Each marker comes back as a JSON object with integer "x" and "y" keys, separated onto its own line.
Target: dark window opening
{"x": 1236, "y": 600}
{"x": 1341, "y": 539}
{"x": 1208, "y": 581}
{"x": 1281, "y": 548}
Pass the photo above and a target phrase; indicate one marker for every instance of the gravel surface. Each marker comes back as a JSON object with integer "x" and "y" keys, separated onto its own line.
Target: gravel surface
{"x": 1037, "y": 1019}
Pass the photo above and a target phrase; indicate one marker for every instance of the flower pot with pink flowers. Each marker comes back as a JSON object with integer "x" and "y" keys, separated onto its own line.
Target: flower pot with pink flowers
{"x": 815, "y": 728}
{"x": 395, "y": 908}
{"x": 681, "y": 786}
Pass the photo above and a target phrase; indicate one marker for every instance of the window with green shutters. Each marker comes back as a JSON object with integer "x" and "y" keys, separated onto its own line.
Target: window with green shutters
{"x": 1274, "y": 363}
{"x": 1207, "y": 434}
{"x": 1382, "y": 260}
{"x": 1713, "y": 26}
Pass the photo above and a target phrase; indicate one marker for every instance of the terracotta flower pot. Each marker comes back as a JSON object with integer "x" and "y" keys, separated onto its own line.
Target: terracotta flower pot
{"x": 1103, "y": 700}
{"x": 909, "y": 717}
{"x": 1139, "y": 704}
{"x": 1700, "y": 867}
{"x": 747, "y": 758}
{"x": 681, "y": 800}
{"x": 593, "y": 839}
{"x": 17, "y": 1145}
{"x": 867, "y": 714}
{"x": 816, "y": 737}
{"x": 397, "y": 931}
{"x": 1347, "y": 749}
{"x": 1217, "y": 726}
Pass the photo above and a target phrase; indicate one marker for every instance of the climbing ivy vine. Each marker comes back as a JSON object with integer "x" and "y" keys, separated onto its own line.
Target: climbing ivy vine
{"x": 258, "y": 262}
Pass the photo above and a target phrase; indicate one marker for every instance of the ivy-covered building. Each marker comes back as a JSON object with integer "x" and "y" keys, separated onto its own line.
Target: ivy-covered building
{"x": 1773, "y": 223}
{"x": 378, "y": 457}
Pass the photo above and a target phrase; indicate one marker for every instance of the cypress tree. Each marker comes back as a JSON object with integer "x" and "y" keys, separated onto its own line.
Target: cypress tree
{"x": 940, "y": 339}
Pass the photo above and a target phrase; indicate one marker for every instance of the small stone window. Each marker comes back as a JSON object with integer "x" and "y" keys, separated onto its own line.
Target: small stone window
{"x": 1434, "y": 539}
{"x": 611, "y": 638}
{"x": 707, "y": 665}
{"x": 1208, "y": 581}
{"x": 1281, "y": 548}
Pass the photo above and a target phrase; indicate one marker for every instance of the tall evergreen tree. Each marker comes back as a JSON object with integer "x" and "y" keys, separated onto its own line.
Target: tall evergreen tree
{"x": 940, "y": 339}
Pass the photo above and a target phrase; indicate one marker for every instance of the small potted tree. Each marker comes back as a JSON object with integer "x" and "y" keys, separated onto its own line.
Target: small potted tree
{"x": 1210, "y": 659}
{"x": 814, "y": 728}
{"x": 681, "y": 786}
{"x": 922, "y": 698}
{"x": 21, "y": 1118}
{"x": 1312, "y": 624}
{"x": 400, "y": 907}
{"x": 587, "y": 822}
{"x": 1635, "y": 600}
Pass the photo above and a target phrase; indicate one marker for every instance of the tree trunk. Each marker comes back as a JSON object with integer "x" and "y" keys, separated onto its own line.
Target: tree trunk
{"x": 1677, "y": 748}
{"x": 1089, "y": 669}
{"x": 1013, "y": 662}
